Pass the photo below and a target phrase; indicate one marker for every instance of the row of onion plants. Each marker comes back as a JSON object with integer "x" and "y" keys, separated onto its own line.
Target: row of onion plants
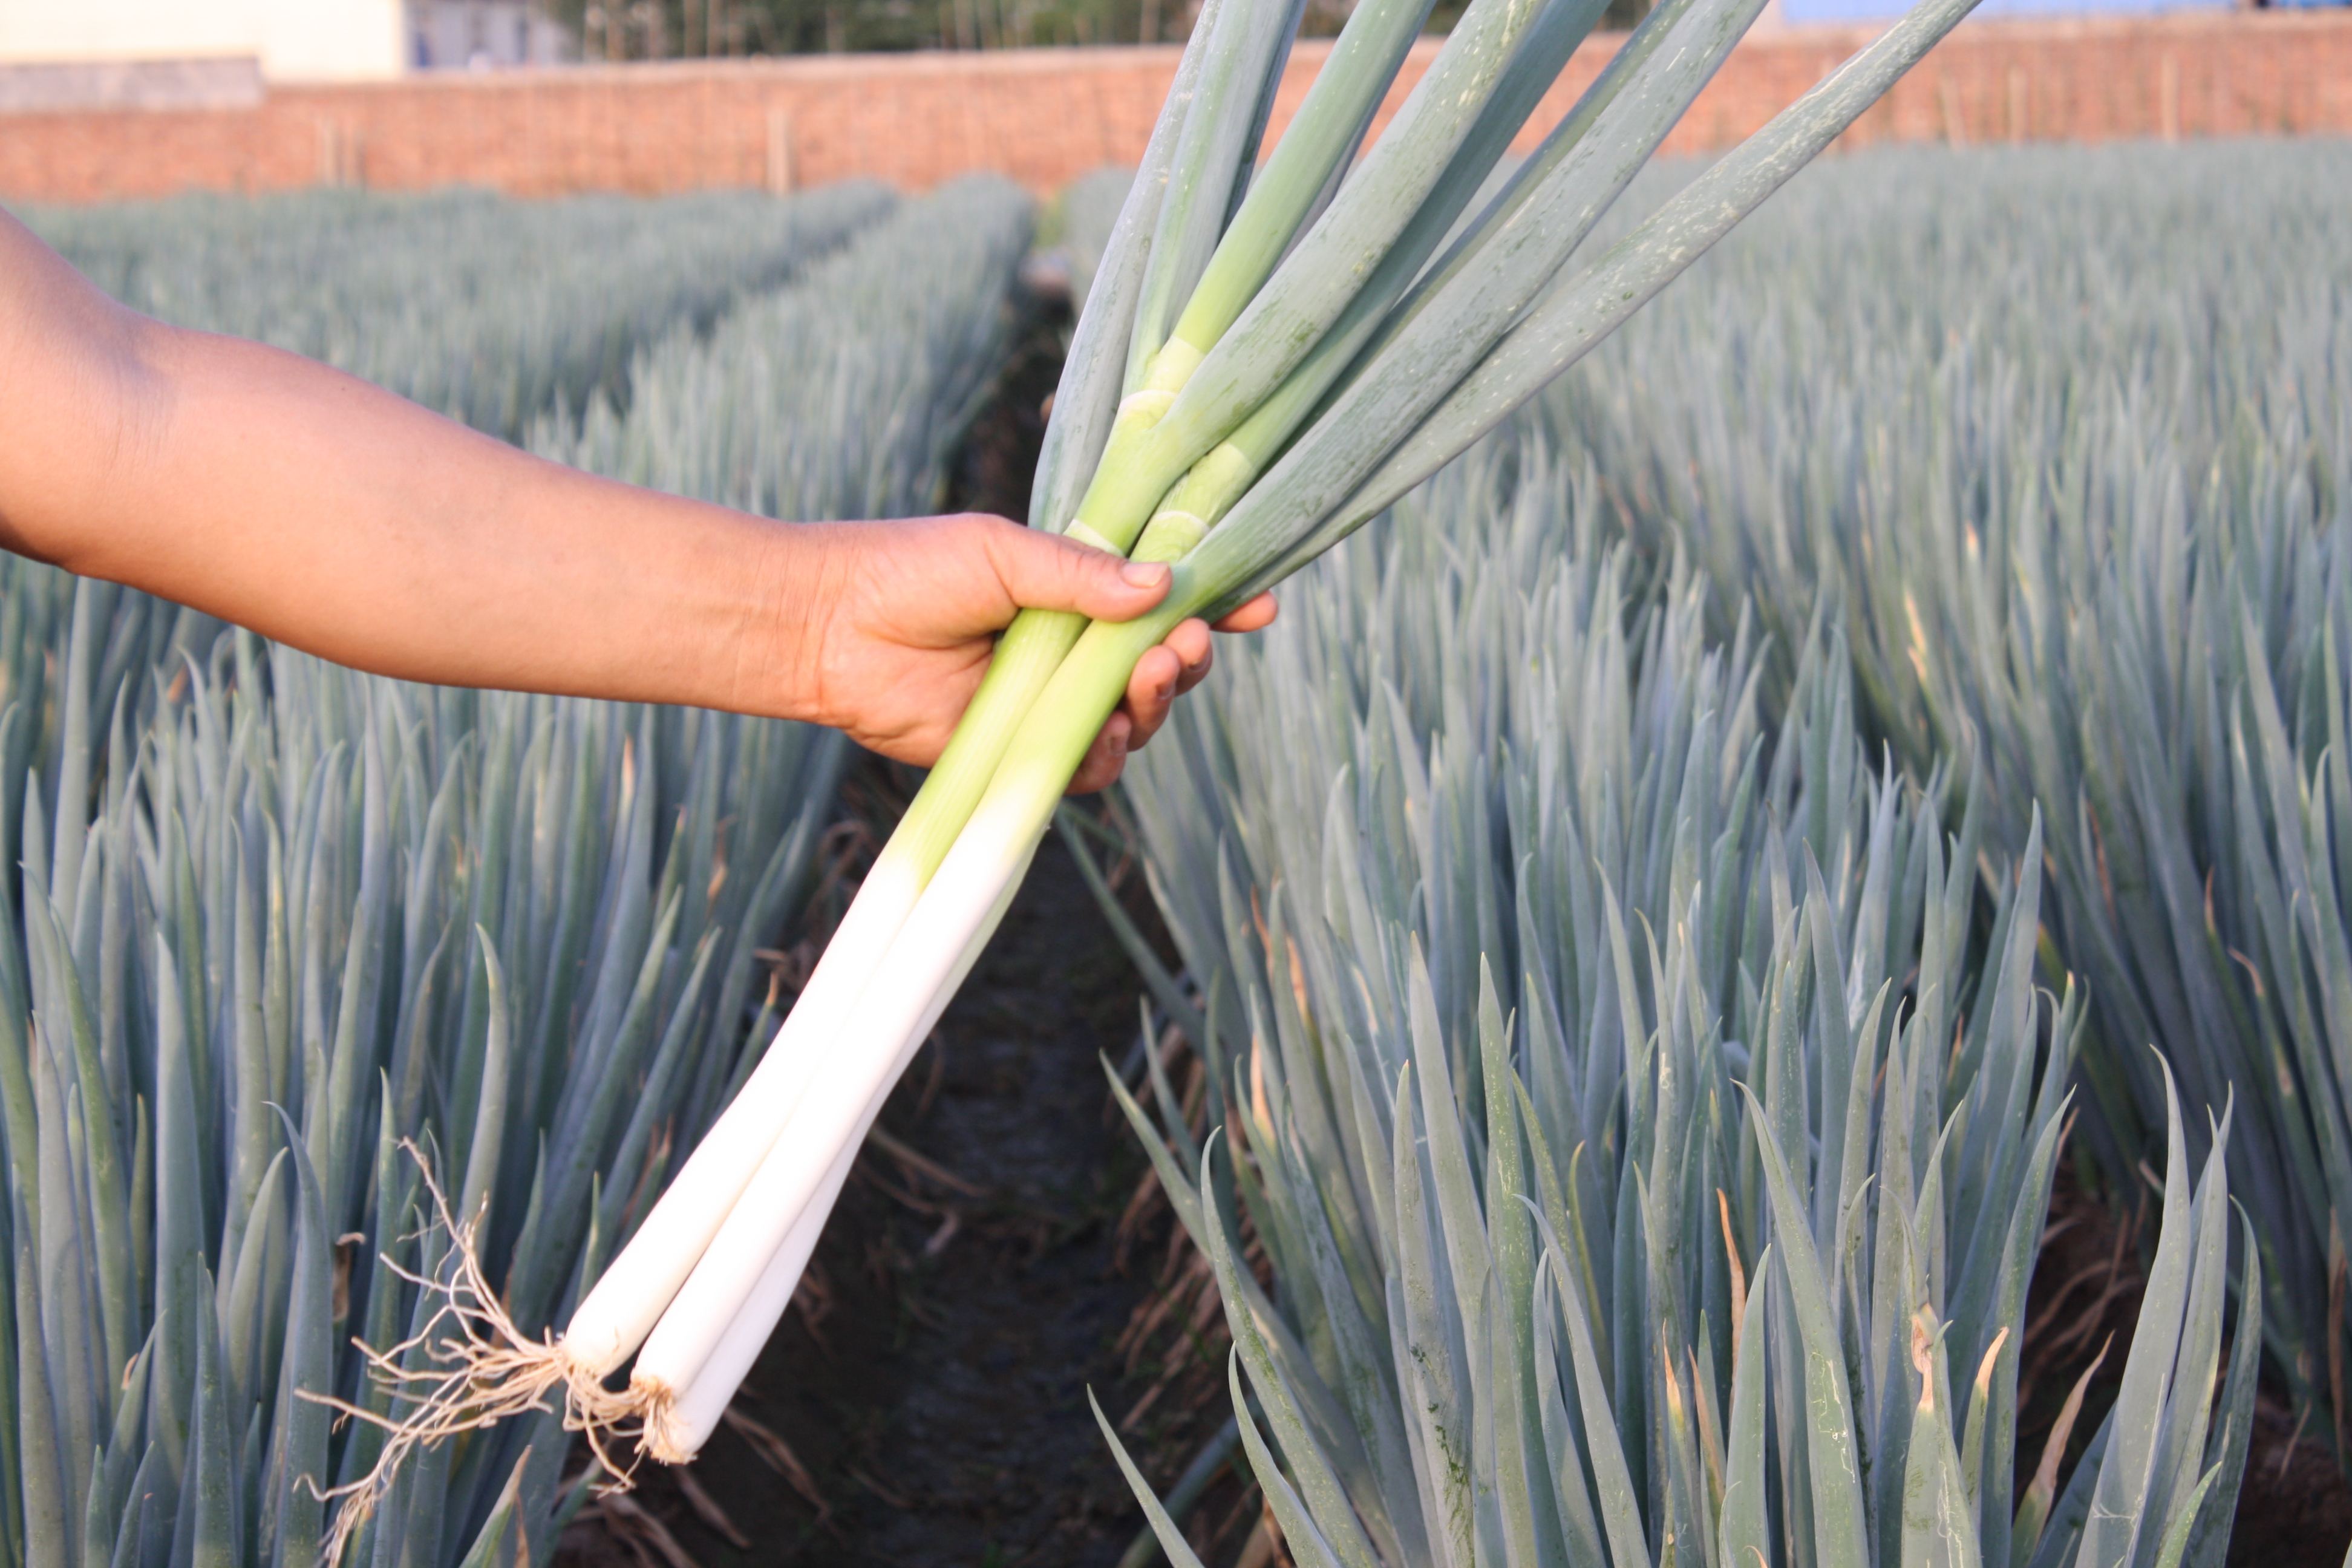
{"x": 1646, "y": 1117}
{"x": 488, "y": 309}
{"x": 2063, "y": 442}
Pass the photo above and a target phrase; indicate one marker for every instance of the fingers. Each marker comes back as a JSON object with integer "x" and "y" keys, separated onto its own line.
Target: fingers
{"x": 1046, "y": 572}
{"x": 1253, "y": 616}
{"x": 1161, "y": 675}
{"x": 1150, "y": 692}
{"x": 1105, "y": 758}
{"x": 1190, "y": 645}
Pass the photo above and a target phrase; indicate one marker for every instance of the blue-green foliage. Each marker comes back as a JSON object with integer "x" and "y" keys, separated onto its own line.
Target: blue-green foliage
{"x": 486, "y": 310}
{"x": 1565, "y": 993}
{"x": 2062, "y": 441}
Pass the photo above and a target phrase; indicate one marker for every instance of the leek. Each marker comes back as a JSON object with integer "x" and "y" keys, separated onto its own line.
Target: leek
{"x": 1430, "y": 370}
{"x": 551, "y": 299}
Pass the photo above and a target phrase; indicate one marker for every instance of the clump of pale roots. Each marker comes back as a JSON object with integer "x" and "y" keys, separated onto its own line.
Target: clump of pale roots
{"x": 470, "y": 1366}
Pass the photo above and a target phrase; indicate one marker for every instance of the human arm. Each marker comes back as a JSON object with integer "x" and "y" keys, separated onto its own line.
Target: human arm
{"x": 334, "y": 516}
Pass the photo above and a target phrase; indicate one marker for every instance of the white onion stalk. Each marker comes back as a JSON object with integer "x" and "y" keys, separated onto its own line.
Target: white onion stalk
{"x": 1130, "y": 477}
{"x": 686, "y": 1374}
{"x": 613, "y": 1319}
{"x": 619, "y": 1312}
{"x": 707, "y": 1341}
{"x": 496, "y": 1369}
{"x": 622, "y": 1307}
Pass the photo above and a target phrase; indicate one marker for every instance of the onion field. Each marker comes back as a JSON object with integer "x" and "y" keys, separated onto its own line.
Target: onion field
{"x": 1639, "y": 944}
{"x": 1930, "y": 613}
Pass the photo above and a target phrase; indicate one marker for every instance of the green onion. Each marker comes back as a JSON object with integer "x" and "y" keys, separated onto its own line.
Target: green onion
{"x": 1274, "y": 285}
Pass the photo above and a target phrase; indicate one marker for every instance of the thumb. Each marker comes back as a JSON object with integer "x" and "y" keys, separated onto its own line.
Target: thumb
{"x": 1042, "y": 571}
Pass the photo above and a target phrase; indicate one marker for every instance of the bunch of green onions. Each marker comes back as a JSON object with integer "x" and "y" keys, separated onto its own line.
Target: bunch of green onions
{"x": 1267, "y": 358}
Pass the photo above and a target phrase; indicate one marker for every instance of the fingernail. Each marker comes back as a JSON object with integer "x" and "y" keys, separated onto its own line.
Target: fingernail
{"x": 1143, "y": 574}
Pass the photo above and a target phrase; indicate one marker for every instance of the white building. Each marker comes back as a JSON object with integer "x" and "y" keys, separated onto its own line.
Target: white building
{"x": 283, "y": 40}
{"x": 479, "y": 34}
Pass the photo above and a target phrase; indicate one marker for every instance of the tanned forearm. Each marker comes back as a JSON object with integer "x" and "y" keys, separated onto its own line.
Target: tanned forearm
{"x": 332, "y": 515}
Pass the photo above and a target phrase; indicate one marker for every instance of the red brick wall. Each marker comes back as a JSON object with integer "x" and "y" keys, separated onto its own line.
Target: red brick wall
{"x": 1042, "y": 116}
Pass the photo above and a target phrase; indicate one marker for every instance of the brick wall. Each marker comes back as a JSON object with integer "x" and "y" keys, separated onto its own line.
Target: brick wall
{"x": 1042, "y": 116}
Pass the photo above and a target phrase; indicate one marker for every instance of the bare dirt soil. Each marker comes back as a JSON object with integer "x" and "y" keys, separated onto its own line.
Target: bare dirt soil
{"x": 2294, "y": 1510}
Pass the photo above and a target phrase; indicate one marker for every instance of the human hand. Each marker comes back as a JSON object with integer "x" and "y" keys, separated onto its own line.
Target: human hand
{"x": 895, "y": 621}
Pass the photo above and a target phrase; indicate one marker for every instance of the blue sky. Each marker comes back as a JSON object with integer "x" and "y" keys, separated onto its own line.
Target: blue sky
{"x": 1880, "y": 10}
